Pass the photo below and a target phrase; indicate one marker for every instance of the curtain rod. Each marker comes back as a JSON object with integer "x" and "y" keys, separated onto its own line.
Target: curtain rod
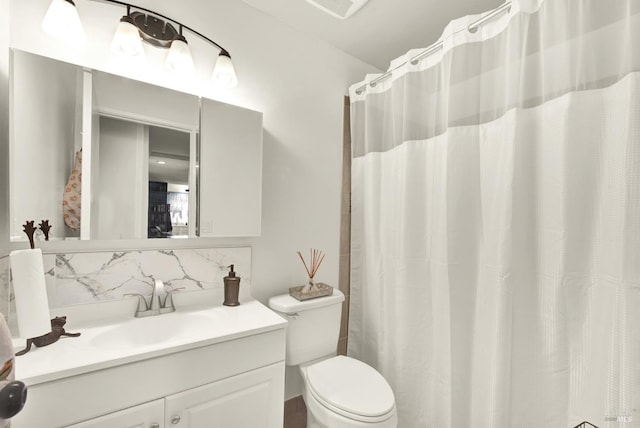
{"x": 489, "y": 16}
{"x": 472, "y": 28}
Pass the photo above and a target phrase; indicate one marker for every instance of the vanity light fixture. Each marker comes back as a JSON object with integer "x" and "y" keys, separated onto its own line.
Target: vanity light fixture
{"x": 126, "y": 41}
{"x": 62, "y": 21}
{"x": 224, "y": 74}
{"x": 179, "y": 56}
{"x": 144, "y": 25}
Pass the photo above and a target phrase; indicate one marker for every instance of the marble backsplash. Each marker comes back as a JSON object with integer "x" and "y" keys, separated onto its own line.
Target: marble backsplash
{"x": 82, "y": 278}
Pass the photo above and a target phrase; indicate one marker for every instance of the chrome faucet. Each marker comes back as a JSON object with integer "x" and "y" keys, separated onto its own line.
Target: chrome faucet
{"x": 156, "y": 295}
{"x": 160, "y": 302}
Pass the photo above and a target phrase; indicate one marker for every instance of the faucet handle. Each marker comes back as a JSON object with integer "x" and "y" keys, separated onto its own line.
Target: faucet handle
{"x": 168, "y": 298}
{"x": 141, "y": 300}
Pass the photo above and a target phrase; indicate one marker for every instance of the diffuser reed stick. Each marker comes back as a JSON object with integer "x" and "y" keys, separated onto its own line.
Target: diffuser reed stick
{"x": 315, "y": 260}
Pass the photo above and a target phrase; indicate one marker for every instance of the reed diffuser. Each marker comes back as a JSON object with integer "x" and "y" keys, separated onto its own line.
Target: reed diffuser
{"x": 316, "y": 258}
{"x": 311, "y": 289}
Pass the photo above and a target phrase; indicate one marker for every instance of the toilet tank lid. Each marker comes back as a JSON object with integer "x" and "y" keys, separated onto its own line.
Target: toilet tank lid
{"x": 288, "y": 305}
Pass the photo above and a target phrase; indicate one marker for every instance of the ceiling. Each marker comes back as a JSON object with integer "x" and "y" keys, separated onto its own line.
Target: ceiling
{"x": 172, "y": 148}
{"x": 382, "y": 30}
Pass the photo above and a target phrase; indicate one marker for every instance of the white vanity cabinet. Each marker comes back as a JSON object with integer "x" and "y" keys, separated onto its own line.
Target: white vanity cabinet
{"x": 248, "y": 400}
{"x": 148, "y": 415}
{"x": 230, "y": 377}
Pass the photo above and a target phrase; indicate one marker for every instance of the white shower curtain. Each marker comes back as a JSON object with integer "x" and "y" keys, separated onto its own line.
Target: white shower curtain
{"x": 496, "y": 221}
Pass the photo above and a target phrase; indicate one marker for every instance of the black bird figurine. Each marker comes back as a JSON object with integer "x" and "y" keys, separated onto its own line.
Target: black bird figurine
{"x": 30, "y": 229}
{"x": 45, "y": 228}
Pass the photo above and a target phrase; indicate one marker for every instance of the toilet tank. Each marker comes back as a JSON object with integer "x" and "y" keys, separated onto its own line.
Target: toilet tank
{"x": 314, "y": 325}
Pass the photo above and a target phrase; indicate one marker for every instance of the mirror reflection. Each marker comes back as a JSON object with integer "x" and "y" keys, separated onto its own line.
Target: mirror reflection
{"x": 134, "y": 201}
{"x": 168, "y": 183}
{"x": 46, "y": 121}
{"x": 99, "y": 155}
{"x": 105, "y": 157}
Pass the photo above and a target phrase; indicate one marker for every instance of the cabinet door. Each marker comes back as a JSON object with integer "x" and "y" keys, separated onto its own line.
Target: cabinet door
{"x": 230, "y": 170}
{"x": 250, "y": 400}
{"x": 147, "y": 415}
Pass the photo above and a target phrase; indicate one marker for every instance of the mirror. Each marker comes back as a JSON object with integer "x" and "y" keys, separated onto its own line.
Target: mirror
{"x": 152, "y": 164}
{"x": 168, "y": 181}
{"x": 105, "y": 157}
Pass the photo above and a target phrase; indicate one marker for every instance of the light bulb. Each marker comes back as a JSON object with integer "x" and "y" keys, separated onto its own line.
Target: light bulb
{"x": 63, "y": 22}
{"x": 126, "y": 40}
{"x": 224, "y": 73}
{"x": 179, "y": 57}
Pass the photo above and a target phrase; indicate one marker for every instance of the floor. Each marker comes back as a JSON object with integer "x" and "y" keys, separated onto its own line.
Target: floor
{"x": 295, "y": 413}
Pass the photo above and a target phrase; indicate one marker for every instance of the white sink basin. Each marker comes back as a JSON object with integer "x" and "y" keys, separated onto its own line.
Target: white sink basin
{"x": 176, "y": 326}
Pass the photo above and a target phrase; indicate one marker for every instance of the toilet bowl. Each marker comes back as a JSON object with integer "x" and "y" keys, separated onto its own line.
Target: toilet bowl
{"x": 339, "y": 391}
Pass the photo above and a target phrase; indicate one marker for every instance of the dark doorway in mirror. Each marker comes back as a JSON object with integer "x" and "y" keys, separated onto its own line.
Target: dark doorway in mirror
{"x": 169, "y": 155}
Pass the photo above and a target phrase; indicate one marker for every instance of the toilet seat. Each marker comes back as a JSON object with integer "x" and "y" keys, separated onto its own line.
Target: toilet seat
{"x": 351, "y": 388}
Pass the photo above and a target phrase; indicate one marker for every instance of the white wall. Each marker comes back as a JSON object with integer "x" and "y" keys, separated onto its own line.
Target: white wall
{"x": 122, "y": 160}
{"x": 132, "y": 99}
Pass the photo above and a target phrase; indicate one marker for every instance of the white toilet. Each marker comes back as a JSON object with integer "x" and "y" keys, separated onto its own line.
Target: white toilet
{"x": 340, "y": 392}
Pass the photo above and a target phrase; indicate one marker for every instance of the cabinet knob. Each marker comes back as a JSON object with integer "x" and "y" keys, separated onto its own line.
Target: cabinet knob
{"x": 175, "y": 419}
{"x": 154, "y": 425}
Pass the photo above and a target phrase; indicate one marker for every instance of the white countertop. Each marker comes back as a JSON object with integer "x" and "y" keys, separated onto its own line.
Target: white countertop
{"x": 99, "y": 346}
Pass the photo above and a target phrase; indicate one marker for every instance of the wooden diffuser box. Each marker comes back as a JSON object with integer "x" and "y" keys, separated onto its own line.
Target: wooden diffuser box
{"x": 321, "y": 290}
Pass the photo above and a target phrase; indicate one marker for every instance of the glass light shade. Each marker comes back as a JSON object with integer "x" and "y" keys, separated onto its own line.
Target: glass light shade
{"x": 63, "y": 22}
{"x": 126, "y": 40}
{"x": 224, "y": 73}
{"x": 179, "y": 57}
